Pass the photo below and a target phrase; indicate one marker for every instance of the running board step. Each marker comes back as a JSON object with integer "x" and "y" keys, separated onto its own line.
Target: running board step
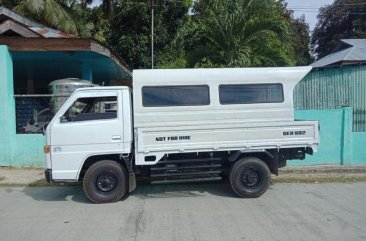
{"x": 205, "y": 179}
{"x": 185, "y": 167}
{"x": 191, "y": 160}
{"x": 185, "y": 174}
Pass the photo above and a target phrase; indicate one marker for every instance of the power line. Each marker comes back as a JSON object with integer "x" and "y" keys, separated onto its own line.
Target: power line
{"x": 317, "y": 11}
{"x": 309, "y": 9}
{"x": 344, "y": 4}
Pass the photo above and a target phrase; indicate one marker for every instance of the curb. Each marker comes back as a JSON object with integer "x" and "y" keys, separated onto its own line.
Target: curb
{"x": 322, "y": 169}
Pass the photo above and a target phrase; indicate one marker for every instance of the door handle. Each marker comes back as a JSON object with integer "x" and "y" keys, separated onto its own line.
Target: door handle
{"x": 116, "y": 138}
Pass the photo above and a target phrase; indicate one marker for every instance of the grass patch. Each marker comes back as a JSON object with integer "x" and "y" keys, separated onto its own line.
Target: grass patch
{"x": 320, "y": 178}
{"x": 39, "y": 183}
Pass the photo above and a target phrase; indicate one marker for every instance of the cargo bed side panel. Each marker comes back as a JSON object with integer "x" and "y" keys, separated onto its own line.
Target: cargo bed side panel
{"x": 198, "y": 138}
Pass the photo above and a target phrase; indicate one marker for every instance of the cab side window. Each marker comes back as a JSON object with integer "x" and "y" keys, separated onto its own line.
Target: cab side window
{"x": 91, "y": 108}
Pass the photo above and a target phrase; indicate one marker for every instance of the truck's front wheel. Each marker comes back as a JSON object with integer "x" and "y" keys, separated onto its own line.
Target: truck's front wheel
{"x": 105, "y": 181}
{"x": 250, "y": 177}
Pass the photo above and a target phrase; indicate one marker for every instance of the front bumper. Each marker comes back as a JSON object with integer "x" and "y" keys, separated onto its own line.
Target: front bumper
{"x": 48, "y": 174}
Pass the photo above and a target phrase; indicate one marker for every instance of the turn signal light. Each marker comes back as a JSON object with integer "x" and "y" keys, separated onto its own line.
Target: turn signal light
{"x": 47, "y": 149}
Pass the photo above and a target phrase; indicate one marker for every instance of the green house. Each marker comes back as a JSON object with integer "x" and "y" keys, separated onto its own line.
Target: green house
{"x": 334, "y": 92}
{"x": 31, "y": 56}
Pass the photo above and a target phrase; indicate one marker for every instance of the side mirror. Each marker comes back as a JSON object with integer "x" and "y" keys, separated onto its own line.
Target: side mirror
{"x": 63, "y": 119}
{"x": 44, "y": 130}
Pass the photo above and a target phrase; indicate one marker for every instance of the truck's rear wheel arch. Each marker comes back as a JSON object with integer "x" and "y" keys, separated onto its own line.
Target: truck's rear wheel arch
{"x": 96, "y": 158}
{"x": 249, "y": 177}
{"x": 270, "y": 157}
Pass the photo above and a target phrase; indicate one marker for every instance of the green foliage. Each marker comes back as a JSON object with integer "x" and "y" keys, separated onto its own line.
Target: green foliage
{"x": 237, "y": 33}
{"x": 9, "y": 3}
{"x": 69, "y": 16}
{"x": 107, "y": 6}
{"x": 217, "y": 33}
{"x": 344, "y": 19}
{"x": 300, "y": 39}
{"x": 130, "y": 32}
{"x": 52, "y": 13}
{"x": 171, "y": 59}
{"x": 101, "y": 26}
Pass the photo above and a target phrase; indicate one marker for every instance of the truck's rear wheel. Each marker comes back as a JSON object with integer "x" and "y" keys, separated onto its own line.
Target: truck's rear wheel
{"x": 105, "y": 181}
{"x": 250, "y": 177}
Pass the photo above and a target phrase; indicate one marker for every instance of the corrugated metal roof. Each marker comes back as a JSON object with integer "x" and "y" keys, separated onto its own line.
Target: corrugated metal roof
{"x": 51, "y": 33}
{"x": 352, "y": 50}
{"x": 5, "y": 12}
{"x": 360, "y": 43}
{"x": 38, "y": 28}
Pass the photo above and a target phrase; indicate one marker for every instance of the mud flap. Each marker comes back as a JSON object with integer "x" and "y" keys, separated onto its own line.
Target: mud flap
{"x": 132, "y": 182}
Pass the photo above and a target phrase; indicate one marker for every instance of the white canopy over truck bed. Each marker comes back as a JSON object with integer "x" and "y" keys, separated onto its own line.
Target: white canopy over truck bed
{"x": 202, "y": 110}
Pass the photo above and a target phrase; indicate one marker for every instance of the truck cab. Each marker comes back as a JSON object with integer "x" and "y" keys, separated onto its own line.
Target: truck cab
{"x": 93, "y": 122}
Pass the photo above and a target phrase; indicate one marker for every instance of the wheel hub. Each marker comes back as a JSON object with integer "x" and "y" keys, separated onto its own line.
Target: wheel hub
{"x": 250, "y": 178}
{"x": 106, "y": 182}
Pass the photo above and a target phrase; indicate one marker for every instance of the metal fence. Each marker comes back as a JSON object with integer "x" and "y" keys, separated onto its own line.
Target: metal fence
{"x": 33, "y": 112}
{"x": 359, "y": 120}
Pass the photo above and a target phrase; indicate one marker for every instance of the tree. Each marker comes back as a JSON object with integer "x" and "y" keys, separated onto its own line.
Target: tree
{"x": 238, "y": 33}
{"x": 300, "y": 39}
{"x": 341, "y": 20}
{"x": 53, "y": 13}
{"x": 9, "y": 3}
{"x": 107, "y": 6}
{"x": 66, "y": 15}
{"x": 130, "y": 28}
{"x": 100, "y": 25}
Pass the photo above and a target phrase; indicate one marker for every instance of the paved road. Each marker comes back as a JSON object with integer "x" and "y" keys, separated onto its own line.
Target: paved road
{"x": 186, "y": 212}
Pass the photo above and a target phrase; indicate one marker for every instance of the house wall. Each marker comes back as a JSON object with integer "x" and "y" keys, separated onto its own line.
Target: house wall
{"x": 339, "y": 145}
{"x": 334, "y": 88}
{"x": 7, "y": 117}
{"x": 359, "y": 148}
{"x": 15, "y": 150}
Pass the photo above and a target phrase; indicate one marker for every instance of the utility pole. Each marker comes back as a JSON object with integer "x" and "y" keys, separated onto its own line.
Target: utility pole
{"x": 152, "y": 5}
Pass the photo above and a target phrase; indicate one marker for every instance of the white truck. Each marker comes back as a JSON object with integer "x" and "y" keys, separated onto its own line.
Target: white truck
{"x": 180, "y": 125}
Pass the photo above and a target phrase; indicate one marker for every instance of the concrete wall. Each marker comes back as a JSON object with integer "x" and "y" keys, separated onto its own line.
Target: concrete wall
{"x": 28, "y": 151}
{"x": 338, "y": 144}
{"x": 7, "y": 115}
{"x": 359, "y": 148}
{"x": 15, "y": 150}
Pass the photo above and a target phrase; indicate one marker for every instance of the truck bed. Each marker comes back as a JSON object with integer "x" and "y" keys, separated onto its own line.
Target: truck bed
{"x": 154, "y": 142}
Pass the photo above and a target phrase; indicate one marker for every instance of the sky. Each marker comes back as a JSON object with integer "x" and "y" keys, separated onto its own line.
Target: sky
{"x": 309, "y": 8}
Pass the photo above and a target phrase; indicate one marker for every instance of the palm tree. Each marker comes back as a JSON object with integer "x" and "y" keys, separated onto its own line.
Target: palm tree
{"x": 238, "y": 33}
{"x": 53, "y": 13}
{"x": 65, "y": 15}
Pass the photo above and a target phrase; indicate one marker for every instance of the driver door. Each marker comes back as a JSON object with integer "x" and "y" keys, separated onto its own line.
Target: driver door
{"x": 88, "y": 124}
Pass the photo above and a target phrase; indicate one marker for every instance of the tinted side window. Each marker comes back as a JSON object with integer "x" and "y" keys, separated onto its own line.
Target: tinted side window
{"x": 92, "y": 108}
{"x": 175, "y": 95}
{"x": 251, "y": 93}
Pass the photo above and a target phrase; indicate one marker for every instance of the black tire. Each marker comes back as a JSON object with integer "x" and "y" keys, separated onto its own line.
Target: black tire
{"x": 105, "y": 181}
{"x": 250, "y": 177}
